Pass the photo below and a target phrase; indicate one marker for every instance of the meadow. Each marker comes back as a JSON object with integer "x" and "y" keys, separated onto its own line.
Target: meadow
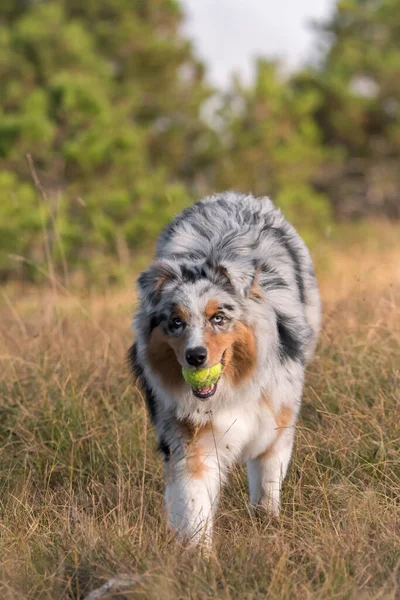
{"x": 81, "y": 483}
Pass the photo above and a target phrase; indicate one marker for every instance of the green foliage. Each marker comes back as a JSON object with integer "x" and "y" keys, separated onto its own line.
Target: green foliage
{"x": 19, "y": 213}
{"x": 274, "y": 145}
{"x": 107, "y": 98}
{"x": 358, "y": 81}
{"x": 361, "y": 72}
{"x": 94, "y": 93}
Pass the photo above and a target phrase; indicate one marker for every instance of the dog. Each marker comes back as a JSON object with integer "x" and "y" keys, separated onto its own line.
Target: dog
{"x": 232, "y": 283}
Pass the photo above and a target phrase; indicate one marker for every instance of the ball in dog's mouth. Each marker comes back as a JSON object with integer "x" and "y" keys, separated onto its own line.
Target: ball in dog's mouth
{"x": 206, "y": 392}
{"x": 204, "y": 382}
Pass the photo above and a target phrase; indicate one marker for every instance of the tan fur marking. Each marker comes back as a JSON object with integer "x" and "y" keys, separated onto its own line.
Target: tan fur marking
{"x": 187, "y": 429}
{"x": 216, "y": 344}
{"x": 195, "y": 452}
{"x": 181, "y": 313}
{"x": 160, "y": 281}
{"x": 211, "y": 308}
{"x": 267, "y": 453}
{"x": 196, "y": 461}
{"x": 203, "y": 430}
{"x": 255, "y": 291}
{"x": 241, "y": 356}
{"x": 266, "y": 401}
{"x": 193, "y": 433}
{"x": 283, "y": 419}
{"x": 284, "y": 416}
{"x": 162, "y": 359}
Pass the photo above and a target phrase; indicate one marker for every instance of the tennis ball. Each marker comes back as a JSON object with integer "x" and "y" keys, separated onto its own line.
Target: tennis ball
{"x": 201, "y": 378}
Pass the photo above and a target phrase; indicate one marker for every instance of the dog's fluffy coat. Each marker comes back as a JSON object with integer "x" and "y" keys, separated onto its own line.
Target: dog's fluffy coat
{"x": 231, "y": 276}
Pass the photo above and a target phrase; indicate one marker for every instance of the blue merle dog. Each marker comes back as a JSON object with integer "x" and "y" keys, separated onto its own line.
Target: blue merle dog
{"x": 232, "y": 283}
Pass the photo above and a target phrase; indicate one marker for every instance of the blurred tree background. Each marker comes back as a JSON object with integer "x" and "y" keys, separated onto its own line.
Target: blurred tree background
{"x": 103, "y": 103}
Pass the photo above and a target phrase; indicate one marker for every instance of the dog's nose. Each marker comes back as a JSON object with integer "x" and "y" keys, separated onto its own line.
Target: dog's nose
{"x": 196, "y": 356}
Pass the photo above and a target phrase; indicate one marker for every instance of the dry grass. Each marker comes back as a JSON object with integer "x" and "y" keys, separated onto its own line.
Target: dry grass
{"x": 81, "y": 485}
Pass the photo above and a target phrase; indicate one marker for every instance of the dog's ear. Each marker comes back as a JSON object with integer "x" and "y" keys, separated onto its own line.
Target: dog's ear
{"x": 238, "y": 276}
{"x": 152, "y": 282}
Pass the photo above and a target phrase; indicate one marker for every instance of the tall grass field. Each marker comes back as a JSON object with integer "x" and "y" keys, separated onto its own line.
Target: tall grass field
{"x": 81, "y": 483}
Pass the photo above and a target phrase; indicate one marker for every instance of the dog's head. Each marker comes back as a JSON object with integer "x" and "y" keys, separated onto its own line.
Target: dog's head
{"x": 195, "y": 318}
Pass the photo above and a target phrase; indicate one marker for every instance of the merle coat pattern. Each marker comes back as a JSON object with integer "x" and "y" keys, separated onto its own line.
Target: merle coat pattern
{"x": 234, "y": 283}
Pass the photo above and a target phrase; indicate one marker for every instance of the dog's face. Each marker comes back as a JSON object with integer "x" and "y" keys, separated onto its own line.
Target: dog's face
{"x": 196, "y": 321}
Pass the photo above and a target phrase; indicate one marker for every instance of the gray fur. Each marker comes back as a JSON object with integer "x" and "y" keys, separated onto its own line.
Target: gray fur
{"x": 219, "y": 247}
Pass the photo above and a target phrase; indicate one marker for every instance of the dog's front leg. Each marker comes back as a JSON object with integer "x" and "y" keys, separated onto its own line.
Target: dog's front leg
{"x": 267, "y": 472}
{"x": 193, "y": 482}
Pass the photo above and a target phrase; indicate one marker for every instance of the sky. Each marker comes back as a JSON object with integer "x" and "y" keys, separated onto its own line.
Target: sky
{"x": 228, "y": 34}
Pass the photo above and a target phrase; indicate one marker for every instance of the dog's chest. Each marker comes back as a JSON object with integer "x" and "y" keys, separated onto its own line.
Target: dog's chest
{"x": 260, "y": 437}
{"x": 246, "y": 432}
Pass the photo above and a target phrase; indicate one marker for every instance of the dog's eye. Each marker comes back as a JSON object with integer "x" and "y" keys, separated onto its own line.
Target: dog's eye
{"x": 177, "y": 322}
{"x": 217, "y": 319}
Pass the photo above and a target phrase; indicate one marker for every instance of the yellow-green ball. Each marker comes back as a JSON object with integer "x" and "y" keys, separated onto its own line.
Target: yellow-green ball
{"x": 201, "y": 378}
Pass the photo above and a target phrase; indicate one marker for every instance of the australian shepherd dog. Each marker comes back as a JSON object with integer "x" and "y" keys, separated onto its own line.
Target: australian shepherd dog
{"x": 232, "y": 283}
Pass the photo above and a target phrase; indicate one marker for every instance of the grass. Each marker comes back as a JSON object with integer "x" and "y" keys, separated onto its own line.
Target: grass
{"x": 81, "y": 486}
